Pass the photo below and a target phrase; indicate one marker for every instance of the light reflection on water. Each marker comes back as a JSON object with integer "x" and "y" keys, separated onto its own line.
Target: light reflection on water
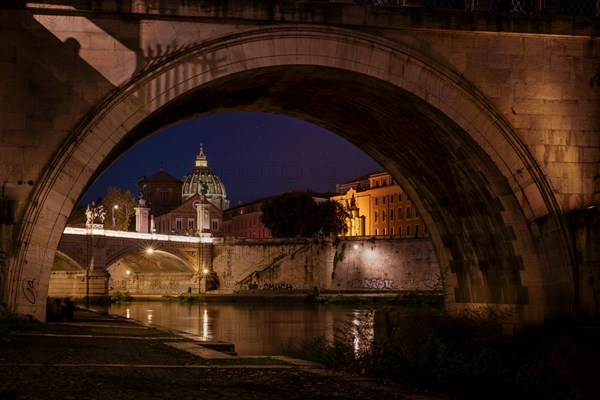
{"x": 255, "y": 329}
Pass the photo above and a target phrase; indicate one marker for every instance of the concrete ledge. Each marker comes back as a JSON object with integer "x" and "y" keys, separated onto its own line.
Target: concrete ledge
{"x": 202, "y": 352}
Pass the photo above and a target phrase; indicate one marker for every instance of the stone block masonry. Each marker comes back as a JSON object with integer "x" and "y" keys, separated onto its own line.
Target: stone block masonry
{"x": 350, "y": 264}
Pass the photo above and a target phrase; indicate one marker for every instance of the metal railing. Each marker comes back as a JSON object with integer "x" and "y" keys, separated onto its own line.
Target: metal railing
{"x": 589, "y": 8}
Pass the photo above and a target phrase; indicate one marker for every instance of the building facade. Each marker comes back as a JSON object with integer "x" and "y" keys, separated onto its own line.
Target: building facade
{"x": 189, "y": 207}
{"x": 160, "y": 191}
{"x": 194, "y": 216}
{"x": 383, "y": 209}
{"x": 244, "y": 221}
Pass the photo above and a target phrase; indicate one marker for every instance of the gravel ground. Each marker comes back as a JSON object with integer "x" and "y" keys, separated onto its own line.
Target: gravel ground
{"x": 99, "y": 357}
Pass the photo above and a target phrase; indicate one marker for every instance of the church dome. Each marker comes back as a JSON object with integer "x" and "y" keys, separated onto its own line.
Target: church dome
{"x": 201, "y": 180}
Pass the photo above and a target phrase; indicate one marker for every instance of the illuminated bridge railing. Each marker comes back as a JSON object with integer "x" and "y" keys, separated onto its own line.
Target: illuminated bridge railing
{"x": 589, "y": 8}
{"x": 136, "y": 235}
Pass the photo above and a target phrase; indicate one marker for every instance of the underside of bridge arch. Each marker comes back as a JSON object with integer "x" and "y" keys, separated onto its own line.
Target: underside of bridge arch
{"x": 158, "y": 273}
{"x": 158, "y": 262}
{"x": 63, "y": 262}
{"x": 461, "y": 194}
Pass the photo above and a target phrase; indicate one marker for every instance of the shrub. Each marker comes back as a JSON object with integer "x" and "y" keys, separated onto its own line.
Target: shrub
{"x": 458, "y": 354}
{"x": 117, "y": 296}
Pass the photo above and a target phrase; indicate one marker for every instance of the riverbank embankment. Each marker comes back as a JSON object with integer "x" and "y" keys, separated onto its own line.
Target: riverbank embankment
{"x": 102, "y": 356}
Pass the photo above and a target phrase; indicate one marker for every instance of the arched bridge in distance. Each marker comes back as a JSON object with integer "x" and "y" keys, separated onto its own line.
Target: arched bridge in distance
{"x": 486, "y": 115}
{"x": 89, "y": 258}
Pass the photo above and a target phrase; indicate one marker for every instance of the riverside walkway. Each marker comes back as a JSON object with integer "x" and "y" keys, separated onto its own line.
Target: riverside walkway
{"x": 100, "y": 356}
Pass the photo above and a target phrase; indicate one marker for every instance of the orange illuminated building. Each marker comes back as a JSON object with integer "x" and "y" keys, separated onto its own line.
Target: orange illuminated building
{"x": 380, "y": 208}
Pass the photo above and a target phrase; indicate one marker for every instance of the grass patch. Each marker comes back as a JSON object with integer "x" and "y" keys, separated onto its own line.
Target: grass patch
{"x": 118, "y": 296}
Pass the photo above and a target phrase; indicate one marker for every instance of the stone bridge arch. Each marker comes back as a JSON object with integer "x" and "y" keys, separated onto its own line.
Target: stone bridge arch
{"x": 158, "y": 251}
{"x": 495, "y": 223}
{"x": 107, "y": 250}
{"x": 87, "y": 266}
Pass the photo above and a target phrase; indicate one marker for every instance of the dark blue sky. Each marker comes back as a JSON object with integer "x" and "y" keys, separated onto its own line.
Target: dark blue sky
{"x": 254, "y": 154}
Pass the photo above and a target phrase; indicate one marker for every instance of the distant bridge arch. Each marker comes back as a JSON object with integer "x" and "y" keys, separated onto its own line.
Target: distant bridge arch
{"x": 495, "y": 219}
{"x": 115, "y": 260}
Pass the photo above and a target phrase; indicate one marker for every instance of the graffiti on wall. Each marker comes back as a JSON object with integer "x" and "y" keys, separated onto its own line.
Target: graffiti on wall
{"x": 29, "y": 290}
{"x": 372, "y": 283}
{"x": 287, "y": 286}
{"x": 269, "y": 286}
{"x": 391, "y": 284}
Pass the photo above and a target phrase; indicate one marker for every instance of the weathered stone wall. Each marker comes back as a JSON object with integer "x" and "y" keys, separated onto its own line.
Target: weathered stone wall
{"x": 168, "y": 282}
{"x": 73, "y": 284}
{"x": 156, "y": 284}
{"x": 352, "y": 264}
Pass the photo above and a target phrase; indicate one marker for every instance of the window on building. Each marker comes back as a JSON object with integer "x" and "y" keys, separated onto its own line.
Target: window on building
{"x": 215, "y": 224}
{"x": 384, "y": 231}
{"x": 400, "y": 230}
{"x": 376, "y": 217}
{"x": 400, "y": 198}
{"x": 416, "y": 230}
{"x": 383, "y": 217}
{"x": 376, "y": 232}
{"x": 391, "y": 230}
{"x": 416, "y": 213}
{"x": 408, "y": 230}
{"x": 399, "y": 213}
{"x": 407, "y": 212}
{"x": 392, "y": 214}
{"x": 376, "y": 201}
{"x": 179, "y": 224}
{"x": 164, "y": 195}
{"x": 190, "y": 223}
{"x": 383, "y": 199}
{"x": 391, "y": 199}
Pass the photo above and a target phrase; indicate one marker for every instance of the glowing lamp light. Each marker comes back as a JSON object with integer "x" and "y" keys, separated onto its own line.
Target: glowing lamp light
{"x": 355, "y": 247}
{"x": 205, "y": 271}
{"x": 149, "y": 250}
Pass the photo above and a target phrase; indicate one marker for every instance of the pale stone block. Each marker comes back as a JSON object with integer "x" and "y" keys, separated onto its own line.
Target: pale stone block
{"x": 525, "y": 107}
{"x": 556, "y": 137}
{"x": 561, "y": 123}
{"x": 540, "y": 123}
{"x": 548, "y": 91}
{"x": 557, "y": 77}
{"x": 534, "y": 76}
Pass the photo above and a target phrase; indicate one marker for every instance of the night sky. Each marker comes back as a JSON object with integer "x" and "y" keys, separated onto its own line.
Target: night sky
{"x": 254, "y": 154}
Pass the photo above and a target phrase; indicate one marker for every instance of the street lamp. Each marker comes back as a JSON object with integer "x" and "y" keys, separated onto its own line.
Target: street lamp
{"x": 114, "y": 222}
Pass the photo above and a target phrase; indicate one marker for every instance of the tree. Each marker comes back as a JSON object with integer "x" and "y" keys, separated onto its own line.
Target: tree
{"x": 332, "y": 218}
{"x": 290, "y": 214}
{"x": 296, "y": 214}
{"x": 123, "y": 213}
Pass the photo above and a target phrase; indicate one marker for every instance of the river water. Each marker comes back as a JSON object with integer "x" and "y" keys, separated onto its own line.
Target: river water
{"x": 255, "y": 329}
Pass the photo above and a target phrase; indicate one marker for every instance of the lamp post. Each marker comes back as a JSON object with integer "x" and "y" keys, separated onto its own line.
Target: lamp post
{"x": 114, "y": 222}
